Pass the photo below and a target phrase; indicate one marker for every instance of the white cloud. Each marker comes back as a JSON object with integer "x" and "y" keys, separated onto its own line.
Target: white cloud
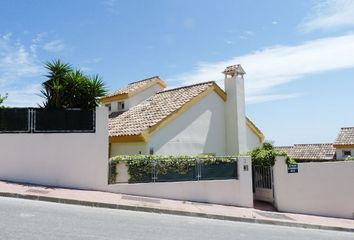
{"x": 54, "y": 46}
{"x": 111, "y": 6}
{"x": 21, "y": 70}
{"x": 229, "y": 42}
{"x": 17, "y": 64}
{"x": 94, "y": 60}
{"x": 246, "y": 35}
{"x": 24, "y": 97}
{"x": 268, "y": 68}
{"x": 16, "y": 60}
{"x": 271, "y": 97}
{"x": 329, "y": 14}
{"x": 189, "y": 23}
{"x": 109, "y": 2}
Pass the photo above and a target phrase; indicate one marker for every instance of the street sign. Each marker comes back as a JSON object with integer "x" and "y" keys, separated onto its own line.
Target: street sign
{"x": 293, "y": 168}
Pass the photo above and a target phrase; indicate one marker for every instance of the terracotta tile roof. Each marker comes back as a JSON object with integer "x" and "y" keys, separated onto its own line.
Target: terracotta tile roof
{"x": 345, "y": 136}
{"x": 154, "y": 109}
{"x": 286, "y": 149}
{"x": 135, "y": 86}
{"x": 322, "y": 151}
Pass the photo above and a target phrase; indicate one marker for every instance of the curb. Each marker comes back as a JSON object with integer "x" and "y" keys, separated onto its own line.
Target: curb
{"x": 173, "y": 212}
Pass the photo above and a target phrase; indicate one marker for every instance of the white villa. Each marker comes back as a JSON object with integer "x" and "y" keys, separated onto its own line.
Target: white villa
{"x": 195, "y": 119}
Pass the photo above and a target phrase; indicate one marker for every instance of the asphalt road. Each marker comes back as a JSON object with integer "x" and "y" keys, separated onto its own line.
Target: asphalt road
{"x": 26, "y": 219}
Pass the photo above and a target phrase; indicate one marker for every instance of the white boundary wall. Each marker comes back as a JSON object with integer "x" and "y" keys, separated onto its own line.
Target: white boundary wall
{"x": 74, "y": 160}
{"x": 230, "y": 192}
{"x": 324, "y": 189}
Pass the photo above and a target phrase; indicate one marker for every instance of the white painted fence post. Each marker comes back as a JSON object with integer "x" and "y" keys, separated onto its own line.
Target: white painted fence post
{"x": 244, "y": 166}
{"x": 279, "y": 169}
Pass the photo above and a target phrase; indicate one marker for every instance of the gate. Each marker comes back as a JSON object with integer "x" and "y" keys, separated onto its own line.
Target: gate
{"x": 263, "y": 183}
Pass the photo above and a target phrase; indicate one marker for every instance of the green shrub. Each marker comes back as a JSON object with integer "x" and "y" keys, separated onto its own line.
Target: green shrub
{"x": 349, "y": 158}
{"x": 265, "y": 155}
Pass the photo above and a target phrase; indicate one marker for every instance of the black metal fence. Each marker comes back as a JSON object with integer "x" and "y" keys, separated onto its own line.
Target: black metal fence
{"x": 38, "y": 120}
{"x": 262, "y": 177}
{"x": 14, "y": 120}
{"x": 199, "y": 169}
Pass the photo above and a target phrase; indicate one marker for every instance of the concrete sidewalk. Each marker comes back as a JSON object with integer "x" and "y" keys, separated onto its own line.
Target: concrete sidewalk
{"x": 129, "y": 202}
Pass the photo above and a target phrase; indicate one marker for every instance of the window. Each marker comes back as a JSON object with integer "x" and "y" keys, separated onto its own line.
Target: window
{"x": 346, "y": 153}
{"x": 121, "y": 106}
{"x": 109, "y": 106}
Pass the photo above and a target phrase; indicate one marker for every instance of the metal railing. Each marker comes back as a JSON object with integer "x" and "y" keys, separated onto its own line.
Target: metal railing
{"x": 38, "y": 120}
{"x": 263, "y": 177}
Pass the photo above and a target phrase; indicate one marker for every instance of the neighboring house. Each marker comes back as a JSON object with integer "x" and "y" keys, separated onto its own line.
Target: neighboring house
{"x": 342, "y": 148}
{"x": 130, "y": 96}
{"x": 311, "y": 152}
{"x": 195, "y": 119}
{"x": 344, "y": 143}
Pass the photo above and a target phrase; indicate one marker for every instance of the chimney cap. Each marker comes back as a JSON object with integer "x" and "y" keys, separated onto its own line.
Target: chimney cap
{"x": 234, "y": 70}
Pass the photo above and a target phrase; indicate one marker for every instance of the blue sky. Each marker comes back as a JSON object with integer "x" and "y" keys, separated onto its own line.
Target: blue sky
{"x": 298, "y": 55}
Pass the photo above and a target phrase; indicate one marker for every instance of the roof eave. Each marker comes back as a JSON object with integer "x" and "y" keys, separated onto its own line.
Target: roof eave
{"x": 114, "y": 98}
{"x": 129, "y": 138}
{"x": 342, "y": 146}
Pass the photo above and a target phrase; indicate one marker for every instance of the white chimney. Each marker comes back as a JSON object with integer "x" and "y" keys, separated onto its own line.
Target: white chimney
{"x": 235, "y": 115}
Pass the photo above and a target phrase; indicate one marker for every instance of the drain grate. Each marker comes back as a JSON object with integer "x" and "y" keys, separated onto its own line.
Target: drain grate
{"x": 37, "y": 191}
{"x": 140, "y": 199}
{"x": 275, "y": 216}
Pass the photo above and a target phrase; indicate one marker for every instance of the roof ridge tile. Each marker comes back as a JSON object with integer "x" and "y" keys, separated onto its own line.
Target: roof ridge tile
{"x": 146, "y": 79}
{"x": 188, "y": 86}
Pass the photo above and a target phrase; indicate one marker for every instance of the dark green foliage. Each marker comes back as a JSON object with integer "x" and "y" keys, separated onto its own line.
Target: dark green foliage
{"x": 70, "y": 88}
{"x": 2, "y": 100}
{"x": 265, "y": 155}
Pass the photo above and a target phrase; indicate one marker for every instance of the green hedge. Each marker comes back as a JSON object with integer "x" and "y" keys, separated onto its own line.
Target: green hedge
{"x": 168, "y": 168}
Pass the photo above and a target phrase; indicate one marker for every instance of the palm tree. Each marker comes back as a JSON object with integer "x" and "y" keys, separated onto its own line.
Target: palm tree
{"x": 70, "y": 88}
{"x": 53, "y": 88}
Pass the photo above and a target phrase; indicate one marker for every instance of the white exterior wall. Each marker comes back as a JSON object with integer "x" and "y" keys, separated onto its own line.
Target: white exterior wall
{"x": 339, "y": 153}
{"x": 128, "y": 148}
{"x": 252, "y": 139}
{"x": 75, "y": 160}
{"x": 114, "y": 107}
{"x": 200, "y": 129}
{"x": 318, "y": 188}
{"x": 229, "y": 192}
